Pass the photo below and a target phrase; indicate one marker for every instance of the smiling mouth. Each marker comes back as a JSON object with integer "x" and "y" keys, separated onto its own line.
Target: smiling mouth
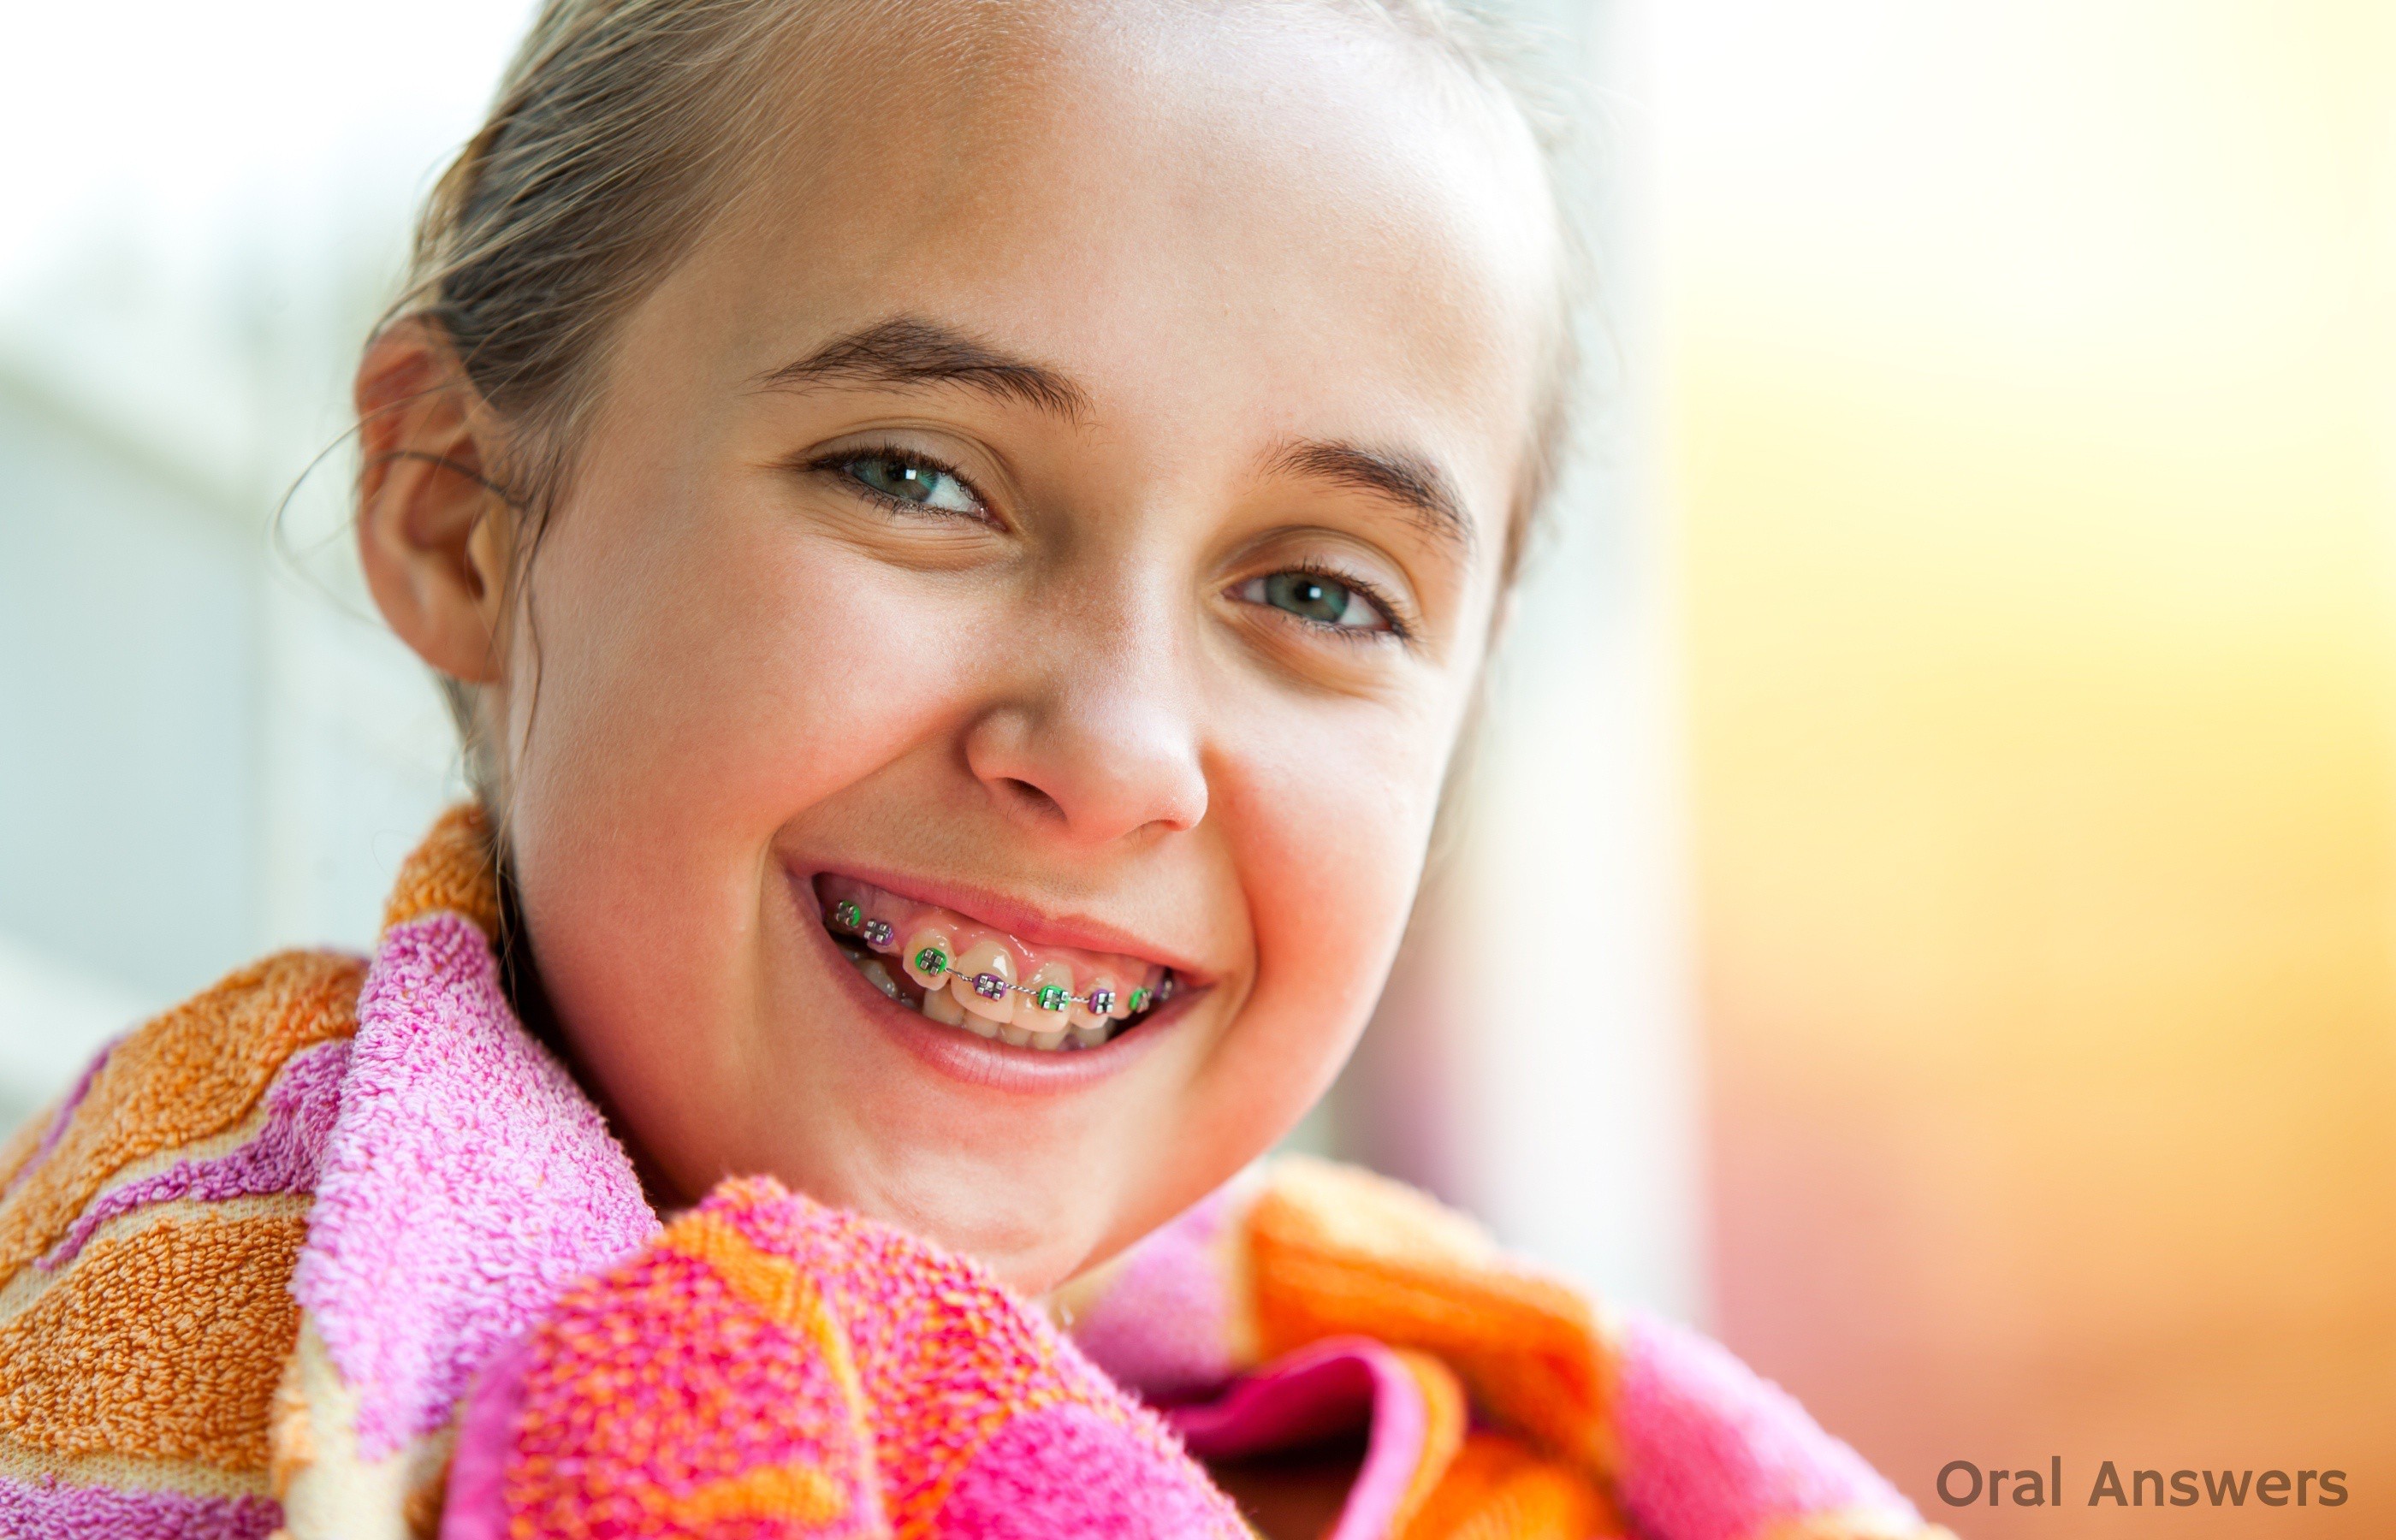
{"x": 962, "y": 974}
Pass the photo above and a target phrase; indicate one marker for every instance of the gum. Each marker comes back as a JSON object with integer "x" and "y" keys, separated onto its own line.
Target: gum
{"x": 906, "y": 917}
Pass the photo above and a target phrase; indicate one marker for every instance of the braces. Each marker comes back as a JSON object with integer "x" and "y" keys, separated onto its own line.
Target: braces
{"x": 1047, "y": 997}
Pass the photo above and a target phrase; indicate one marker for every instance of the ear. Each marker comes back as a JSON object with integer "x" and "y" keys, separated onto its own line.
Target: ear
{"x": 434, "y": 535}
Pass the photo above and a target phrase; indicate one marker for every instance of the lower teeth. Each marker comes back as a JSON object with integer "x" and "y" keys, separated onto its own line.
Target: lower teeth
{"x": 879, "y": 977}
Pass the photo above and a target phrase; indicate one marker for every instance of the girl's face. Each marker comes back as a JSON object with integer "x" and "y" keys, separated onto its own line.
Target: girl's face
{"x": 1045, "y": 540}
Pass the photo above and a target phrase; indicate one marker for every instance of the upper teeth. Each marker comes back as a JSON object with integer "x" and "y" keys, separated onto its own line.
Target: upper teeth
{"x": 972, "y": 977}
{"x": 984, "y": 979}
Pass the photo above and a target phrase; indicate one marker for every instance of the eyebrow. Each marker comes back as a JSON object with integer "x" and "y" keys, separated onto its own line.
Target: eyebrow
{"x": 1415, "y": 484}
{"x": 909, "y": 350}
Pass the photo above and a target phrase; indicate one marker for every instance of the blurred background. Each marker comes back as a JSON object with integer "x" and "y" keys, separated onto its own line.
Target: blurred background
{"x": 1951, "y": 734}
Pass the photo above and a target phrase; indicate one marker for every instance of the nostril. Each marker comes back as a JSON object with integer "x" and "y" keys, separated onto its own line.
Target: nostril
{"x": 1034, "y": 799}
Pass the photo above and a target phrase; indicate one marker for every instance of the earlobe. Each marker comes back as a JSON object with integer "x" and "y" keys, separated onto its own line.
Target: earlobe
{"x": 434, "y": 536}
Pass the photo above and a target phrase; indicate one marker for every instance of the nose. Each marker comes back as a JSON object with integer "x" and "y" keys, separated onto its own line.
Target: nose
{"x": 1100, "y": 744}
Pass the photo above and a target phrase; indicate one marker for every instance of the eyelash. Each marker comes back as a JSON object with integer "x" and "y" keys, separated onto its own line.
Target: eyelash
{"x": 1399, "y": 630}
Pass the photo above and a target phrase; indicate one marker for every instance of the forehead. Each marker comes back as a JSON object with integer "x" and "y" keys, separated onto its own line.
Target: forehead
{"x": 1250, "y": 223}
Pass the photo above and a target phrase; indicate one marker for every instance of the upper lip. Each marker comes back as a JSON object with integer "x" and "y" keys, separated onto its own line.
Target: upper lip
{"x": 1033, "y": 928}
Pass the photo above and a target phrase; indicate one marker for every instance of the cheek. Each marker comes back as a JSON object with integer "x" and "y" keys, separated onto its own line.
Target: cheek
{"x": 1335, "y": 840}
{"x": 722, "y": 650}
{"x": 703, "y": 675}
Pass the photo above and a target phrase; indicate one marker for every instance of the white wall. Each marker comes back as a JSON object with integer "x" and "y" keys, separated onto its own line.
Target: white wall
{"x": 200, "y": 757}
{"x": 127, "y": 614}
{"x": 204, "y": 751}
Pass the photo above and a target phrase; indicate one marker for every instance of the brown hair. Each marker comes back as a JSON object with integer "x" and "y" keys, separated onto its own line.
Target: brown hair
{"x": 616, "y": 140}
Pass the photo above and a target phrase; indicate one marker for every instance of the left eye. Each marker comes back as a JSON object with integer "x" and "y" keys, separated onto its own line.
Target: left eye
{"x": 912, "y": 482}
{"x": 1313, "y": 597}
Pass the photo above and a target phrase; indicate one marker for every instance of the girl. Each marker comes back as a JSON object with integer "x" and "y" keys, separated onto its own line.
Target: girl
{"x": 961, "y": 539}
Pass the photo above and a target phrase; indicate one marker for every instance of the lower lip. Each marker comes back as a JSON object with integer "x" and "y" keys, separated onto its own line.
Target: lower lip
{"x": 985, "y": 1062}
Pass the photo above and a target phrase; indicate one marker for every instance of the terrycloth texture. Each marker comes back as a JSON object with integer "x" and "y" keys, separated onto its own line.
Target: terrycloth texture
{"x": 468, "y": 1182}
{"x": 157, "y": 1373}
{"x": 284, "y": 1157}
{"x": 771, "y": 1367}
{"x": 1711, "y": 1452}
{"x": 1412, "y": 1406}
{"x": 29, "y": 1144}
{"x": 1581, "y": 1414}
{"x": 344, "y": 1251}
{"x": 45, "y": 1508}
{"x": 187, "y": 1076}
{"x": 1170, "y": 1329}
{"x": 450, "y": 872}
{"x": 146, "y": 1236}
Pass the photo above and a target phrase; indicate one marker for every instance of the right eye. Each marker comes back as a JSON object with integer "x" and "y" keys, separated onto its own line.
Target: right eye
{"x": 912, "y": 482}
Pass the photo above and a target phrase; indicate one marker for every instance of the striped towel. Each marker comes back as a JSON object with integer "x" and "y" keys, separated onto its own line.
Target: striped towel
{"x": 335, "y": 1249}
